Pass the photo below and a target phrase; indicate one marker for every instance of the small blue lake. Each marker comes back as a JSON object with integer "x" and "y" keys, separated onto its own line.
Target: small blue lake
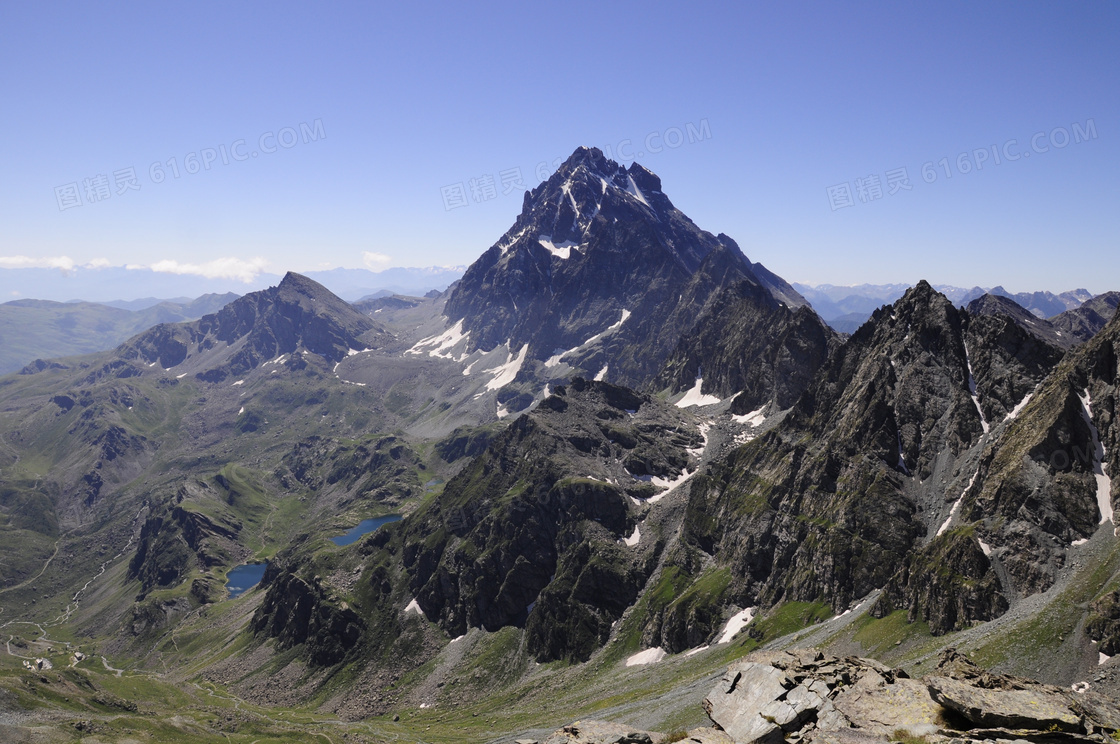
{"x": 365, "y": 527}
{"x": 244, "y": 578}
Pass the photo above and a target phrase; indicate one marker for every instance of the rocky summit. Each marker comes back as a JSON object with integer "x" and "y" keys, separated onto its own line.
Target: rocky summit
{"x": 808, "y": 696}
{"x": 618, "y": 475}
{"x": 601, "y": 274}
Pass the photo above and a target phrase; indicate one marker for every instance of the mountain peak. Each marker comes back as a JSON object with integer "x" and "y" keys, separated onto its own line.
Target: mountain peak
{"x": 297, "y": 314}
{"x": 591, "y": 158}
{"x": 300, "y": 283}
{"x": 599, "y": 259}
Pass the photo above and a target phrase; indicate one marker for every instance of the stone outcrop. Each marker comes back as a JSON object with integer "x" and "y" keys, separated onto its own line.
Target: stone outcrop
{"x": 599, "y": 732}
{"x": 804, "y": 695}
{"x": 297, "y": 611}
{"x": 947, "y": 583}
{"x": 532, "y": 532}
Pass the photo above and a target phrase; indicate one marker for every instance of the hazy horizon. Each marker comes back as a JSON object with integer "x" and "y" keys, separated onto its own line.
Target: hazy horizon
{"x": 841, "y": 145}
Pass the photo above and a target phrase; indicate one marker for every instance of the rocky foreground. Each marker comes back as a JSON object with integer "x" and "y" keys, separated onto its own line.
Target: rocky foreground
{"x": 805, "y": 696}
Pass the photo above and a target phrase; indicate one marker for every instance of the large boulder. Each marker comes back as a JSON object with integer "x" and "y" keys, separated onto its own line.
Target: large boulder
{"x": 802, "y": 695}
{"x": 601, "y": 732}
{"x": 743, "y": 694}
{"x": 1038, "y": 709}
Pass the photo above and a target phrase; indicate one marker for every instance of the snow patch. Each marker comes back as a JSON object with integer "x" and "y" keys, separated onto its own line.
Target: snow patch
{"x": 613, "y": 327}
{"x": 239, "y": 382}
{"x": 985, "y": 547}
{"x": 698, "y": 452}
{"x": 602, "y": 374}
{"x": 735, "y": 623}
{"x": 696, "y": 650}
{"x": 901, "y": 459}
{"x": 559, "y": 354}
{"x": 241, "y": 411}
{"x": 696, "y": 398}
{"x": 456, "y": 640}
{"x": 414, "y": 606}
{"x": 649, "y": 656}
{"x": 972, "y": 391}
{"x": 506, "y": 372}
{"x": 668, "y": 485}
{"x": 957, "y": 504}
{"x": 754, "y": 418}
{"x": 1102, "y": 658}
{"x": 563, "y": 251}
{"x": 440, "y": 345}
{"x": 1019, "y": 408}
{"x": 1079, "y": 687}
{"x": 504, "y": 244}
{"x": 1080, "y": 541}
{"x": 502, "y": 411}
{"x": 566, "y": 187}
{"x": 634, "y": 538}
{"x": 1104, "y": 483}
{"x": 179, "y": 377}
{"x": 633, "y": 190}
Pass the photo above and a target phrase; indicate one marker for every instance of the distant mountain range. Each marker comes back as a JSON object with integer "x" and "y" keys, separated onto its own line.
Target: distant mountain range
{"x": 33, "y": 329}
{"x": 846, "y": 308}
{"x": 113, "y": 284}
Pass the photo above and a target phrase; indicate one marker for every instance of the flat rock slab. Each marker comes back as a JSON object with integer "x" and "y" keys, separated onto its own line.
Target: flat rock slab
{"x": 844, "y": 736}
{"x": 1012, "y": 709}
{"x": 1102, "y": 712}
{"x": 1034, "y": 737}
{"x": 707, "y": 735}
{"x": 736, "y": 703}
{"x": 601, "y": 732}
{"x": 883, "y": 708}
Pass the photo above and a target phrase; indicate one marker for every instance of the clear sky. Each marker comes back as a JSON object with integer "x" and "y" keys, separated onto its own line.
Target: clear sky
{"x": 363, "y": 128}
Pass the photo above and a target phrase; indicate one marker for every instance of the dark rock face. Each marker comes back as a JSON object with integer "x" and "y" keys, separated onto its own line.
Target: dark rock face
{"x": 751, "y": 344}
{"x": 1044, "y": 330}
{"x": 383, "y": 469}
{"x": 173, "y": 544}
{"x": 948, "y": 583}
{"x": 1103, "y": 624}
{"x": 298, "y": 314}
{"x": 41, "y": 365}
{"x": 830, "y": 505}
{"x": 1084, "y": 322}
{"x": 530, "y": 533}
{"x": 1009, "y": 360}
{"x": 297, "y": 612}
{"x": 464, "y": 442}
{"x": 599, "y": 249}
{"x": 817, "y": 509}
{"x": 1042, "y": 478}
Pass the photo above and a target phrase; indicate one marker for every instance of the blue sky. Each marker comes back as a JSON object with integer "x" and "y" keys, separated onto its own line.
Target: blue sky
{"x": 387, "y": 110}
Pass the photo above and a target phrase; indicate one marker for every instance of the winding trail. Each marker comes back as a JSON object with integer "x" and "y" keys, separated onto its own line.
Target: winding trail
{"x": 22, "y": 584}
